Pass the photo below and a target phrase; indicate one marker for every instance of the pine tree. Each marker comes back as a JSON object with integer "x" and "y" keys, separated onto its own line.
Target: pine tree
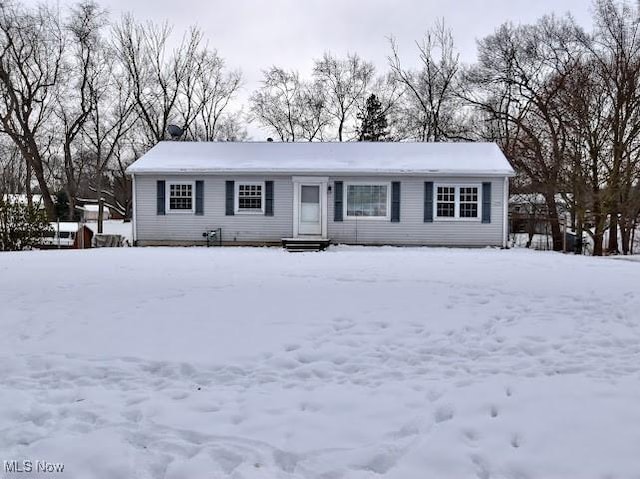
{"x": 373, "y": 122}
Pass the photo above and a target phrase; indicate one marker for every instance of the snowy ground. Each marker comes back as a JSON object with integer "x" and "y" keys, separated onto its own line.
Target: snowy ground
{"x": 192, "y": 363}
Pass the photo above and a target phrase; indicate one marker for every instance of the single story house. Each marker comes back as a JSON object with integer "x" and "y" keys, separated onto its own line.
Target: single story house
{"x": 439, "y": 194}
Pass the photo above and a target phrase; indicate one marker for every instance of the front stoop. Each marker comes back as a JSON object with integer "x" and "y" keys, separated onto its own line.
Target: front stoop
{"x": 305, "y": 244}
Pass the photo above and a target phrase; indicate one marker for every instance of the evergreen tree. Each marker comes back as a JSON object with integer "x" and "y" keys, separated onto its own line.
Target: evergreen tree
{"x": 373, "y": 122}
{"x": 21, "y": 227}
{"x": 62, "y": 205}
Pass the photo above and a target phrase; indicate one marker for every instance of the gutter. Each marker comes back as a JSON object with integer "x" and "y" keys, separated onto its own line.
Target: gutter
{"x": 133, "y": 213}
{"x": 505, "y": 219}
{"x": 293, "y": 172}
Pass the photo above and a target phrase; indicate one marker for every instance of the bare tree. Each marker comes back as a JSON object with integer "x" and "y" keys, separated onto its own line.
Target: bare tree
{"x": 345, "y": 83}
{"x": 163, "y": 81}
{"x": 231, "y": 128}
{"x": 277, "y": 104}
{"x": 615, "y": 51}
{"x": 584, "y": 173}
{"x": 12, "y": 168}
{"x": 431, "y": 108}
{"x": 113, "y": 116}
{"x": 213, "y": 89}
{"x": 517, "y": 84}
{"x": 31, "y": 56}
{"x": 75, "y": 100}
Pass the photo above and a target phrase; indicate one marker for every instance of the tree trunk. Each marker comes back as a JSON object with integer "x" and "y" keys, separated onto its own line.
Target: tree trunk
{"x": 579, "y": 234}
{"x": 556, "y": 232}
{"x": 625, "y": 235}
{"x": 71, "y": 210}
{"x": 100, "y": 214}
{"x": 27, "y": 186}
{"x": 44, "y": 190}
{"x": 598, "y": 238}
{"x": 613, "y": 234}
{"x": 100, "y": 203}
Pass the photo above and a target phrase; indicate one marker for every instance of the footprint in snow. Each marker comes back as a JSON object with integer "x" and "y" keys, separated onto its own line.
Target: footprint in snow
{"x": 444, "y": 413}
{"x": 483, "y": 470}
{"x": 493, "y": 411}
{"x": 341, "y": 324}
{"x": 471, "y": 435}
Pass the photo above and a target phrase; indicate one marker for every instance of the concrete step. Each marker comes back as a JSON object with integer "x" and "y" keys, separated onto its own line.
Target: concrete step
{"x": 305, "y": 244}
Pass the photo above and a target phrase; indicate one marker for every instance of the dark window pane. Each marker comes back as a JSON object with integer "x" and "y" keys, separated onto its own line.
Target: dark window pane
{"x": 310, "y": 194}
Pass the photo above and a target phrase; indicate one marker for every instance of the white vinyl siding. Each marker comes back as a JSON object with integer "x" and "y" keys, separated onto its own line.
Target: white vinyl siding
{"x": 412, "y": 230}
{"x": 187, "y": 229}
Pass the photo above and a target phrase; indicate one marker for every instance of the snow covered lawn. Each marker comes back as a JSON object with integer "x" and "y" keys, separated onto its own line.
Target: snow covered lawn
{"x": 195, "y": 363}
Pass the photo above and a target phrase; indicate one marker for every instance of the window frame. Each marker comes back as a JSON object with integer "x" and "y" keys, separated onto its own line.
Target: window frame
{"x": 345, "y": 206}
{"x": 167, "y": 207}
{"x": 236, "y": 198}
{"x": 457, "y": 217}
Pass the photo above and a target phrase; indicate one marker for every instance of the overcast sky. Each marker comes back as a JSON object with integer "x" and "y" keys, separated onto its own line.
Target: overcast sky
{"x": 253, "y": 34}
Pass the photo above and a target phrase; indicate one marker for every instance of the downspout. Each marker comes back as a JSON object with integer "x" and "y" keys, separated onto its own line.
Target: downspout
{"x": 133, "y": 212}
{"x": 505, "y": 219}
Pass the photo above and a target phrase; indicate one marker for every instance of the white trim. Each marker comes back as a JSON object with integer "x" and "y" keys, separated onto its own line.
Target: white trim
{"x": 236, "y": 198}
{"x": 321, "y": 181}
{"x": 310, "y": 179}
{"x": 167, "y": 200}
{"x": 133, "y": 209}
{"x": 321, "y": 171}
{"x": 505, "y": 219}
{"x": 457, "y": 217}
{"x": 366, "y": 218}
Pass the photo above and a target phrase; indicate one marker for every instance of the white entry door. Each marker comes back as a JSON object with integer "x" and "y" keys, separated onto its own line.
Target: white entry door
{"x": 310, "y": 209}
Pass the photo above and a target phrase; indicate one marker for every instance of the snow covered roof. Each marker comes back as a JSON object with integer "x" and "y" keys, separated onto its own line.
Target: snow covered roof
{"x": 92, "y": 208}
{"x": 533, "y": 199}
{"x": 467, "y": 159}
{"x": 67, "y": 226}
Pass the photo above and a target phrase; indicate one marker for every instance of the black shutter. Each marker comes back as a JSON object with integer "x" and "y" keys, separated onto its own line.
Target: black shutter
{"x": 338, "y": 194}
{"x": 428, "y": 201}
{"x": 268, "y": 198}
{"x": 395, "y": 202}
{"x": 229, "y": 199}
{"x": 486, "y": 202}
{"x": 161, "y": 192}
{"x": 199, "y": 197}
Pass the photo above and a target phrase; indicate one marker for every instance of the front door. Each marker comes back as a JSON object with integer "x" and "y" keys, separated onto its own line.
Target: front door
{"x": 310, "y": 210}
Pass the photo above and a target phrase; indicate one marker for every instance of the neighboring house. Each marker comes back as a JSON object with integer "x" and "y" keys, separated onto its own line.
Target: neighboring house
{"x": 90, "y": 212}
{"x": 529, "y": 213}
{"x": 444, "y": 194}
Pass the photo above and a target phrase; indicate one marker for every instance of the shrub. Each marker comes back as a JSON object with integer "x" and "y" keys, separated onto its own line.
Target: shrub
{"x": 21, "y": 227}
